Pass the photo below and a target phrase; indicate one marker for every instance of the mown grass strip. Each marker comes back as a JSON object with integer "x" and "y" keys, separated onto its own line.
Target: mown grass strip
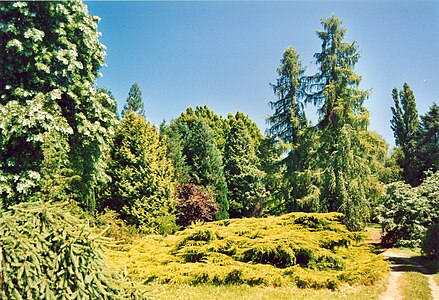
{"x": 414, "y": 285}
{"x": 245, "y": 292}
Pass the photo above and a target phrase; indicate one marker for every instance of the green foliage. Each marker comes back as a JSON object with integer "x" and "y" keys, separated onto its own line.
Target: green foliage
{"x": 194, "y": 205}
{"x": 134, "y": 101}
{"x": 273, "y": 251}
{"x": 142, "y": 186}
{"x": 245, "y": 183}
{"x": 406, "y": 129}
{"x": 270, "y": 162}
{"x": 202, "y": 158}
{"x": 50, "y": 57}
{"x": 48, "y": 253}
{"x": 302, "y": 176}
{"x": 216, "y": 123}
{"x": 407, "y": 212}
{"x": 392, "y": 170}
{"x": 429, "y": 141}
{"x": 289, "y": 114}
{"x": 347, "y": 156}
{"x": 430, "y": 243}
{"x": 337, "y": 164}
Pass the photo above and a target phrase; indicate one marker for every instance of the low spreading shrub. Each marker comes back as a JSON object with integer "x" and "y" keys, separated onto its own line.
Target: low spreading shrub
{"x": 272, "y": 251}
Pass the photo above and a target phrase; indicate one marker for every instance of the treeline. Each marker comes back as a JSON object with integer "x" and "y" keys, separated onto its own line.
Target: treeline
{"x": 61, "y": 137}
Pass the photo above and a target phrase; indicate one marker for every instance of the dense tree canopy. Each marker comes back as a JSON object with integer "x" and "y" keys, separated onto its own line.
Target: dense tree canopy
{"x": 217, "y": 123}
{"x": 199, "y": 158}
{"x": 50, "y": 57}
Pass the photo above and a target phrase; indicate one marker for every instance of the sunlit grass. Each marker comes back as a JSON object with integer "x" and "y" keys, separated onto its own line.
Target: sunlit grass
{"x": 414, "y": 285}
{"x": 245, "y": 292}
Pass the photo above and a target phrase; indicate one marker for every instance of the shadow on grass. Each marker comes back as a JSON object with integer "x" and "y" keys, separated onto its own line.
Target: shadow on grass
{"x": 420, "y": 264}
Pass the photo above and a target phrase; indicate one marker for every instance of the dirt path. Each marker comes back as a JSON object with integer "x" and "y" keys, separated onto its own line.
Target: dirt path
{"x": 433, "y": 287}
{"x": 397, "y": 262}
{"x": 393, "y": 292}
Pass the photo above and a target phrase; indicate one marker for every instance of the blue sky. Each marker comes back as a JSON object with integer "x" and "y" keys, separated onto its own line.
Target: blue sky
{"x": 225, "y": 54}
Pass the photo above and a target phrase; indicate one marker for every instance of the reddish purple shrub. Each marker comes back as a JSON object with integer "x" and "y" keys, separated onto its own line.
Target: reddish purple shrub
{"x": 194, "y": 204}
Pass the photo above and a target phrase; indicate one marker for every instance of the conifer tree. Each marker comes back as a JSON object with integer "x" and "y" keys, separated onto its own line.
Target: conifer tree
{"x": 246, "y": 191}
{"x": 406, "y": 128}
{"x": 346, "y": 147}
{"x": 288, "y": 115}
{"x": 203, "y": 159}
{"x": 142, "y": 187}
{"x": 429, "y": 140}
{"x": 134, "y": 101}
{"x": 271, "y": 163}
{"x": 217, "y": 124}
{"x": 289, "y": 124}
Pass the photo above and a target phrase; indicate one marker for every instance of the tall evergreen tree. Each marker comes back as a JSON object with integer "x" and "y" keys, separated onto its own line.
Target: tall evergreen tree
{"x": 289, "y": 124}
{"x": 246, "y": 191}
{"x": 346, "y": 147}
{"x": 142, "y": 187}
{"x": 50, "y": 57}
{"x": 288, "y": 115}
{"x": 134, "y": 101}
{"x": 202, "y": 158}
{"x": 429, "y": 148}
{"x": 406, "y": 129}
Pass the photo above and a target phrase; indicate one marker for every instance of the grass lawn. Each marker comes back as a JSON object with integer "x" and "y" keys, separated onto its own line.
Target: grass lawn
{"x": 232, "y": 292}
{"x": 414, "y": 285}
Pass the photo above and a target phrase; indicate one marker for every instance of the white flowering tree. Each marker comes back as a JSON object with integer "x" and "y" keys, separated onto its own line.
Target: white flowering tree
{"x": 52, "y": 117}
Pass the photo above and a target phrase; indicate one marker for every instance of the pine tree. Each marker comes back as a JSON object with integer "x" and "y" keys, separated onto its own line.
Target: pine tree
{"x": 246, "y": 191}
{"x": 142, "y": 187}
{"x": 50, "y": 57}
{"x": 406, "y": 128}
{"x": 134, "y": 101}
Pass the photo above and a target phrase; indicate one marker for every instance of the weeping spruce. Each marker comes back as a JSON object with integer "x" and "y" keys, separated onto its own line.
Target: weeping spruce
{"x": 46, "y": 252}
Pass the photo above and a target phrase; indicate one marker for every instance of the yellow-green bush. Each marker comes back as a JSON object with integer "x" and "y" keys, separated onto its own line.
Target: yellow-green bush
{"x": 48, "y": 253}
{"x": 298, "y": 249}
